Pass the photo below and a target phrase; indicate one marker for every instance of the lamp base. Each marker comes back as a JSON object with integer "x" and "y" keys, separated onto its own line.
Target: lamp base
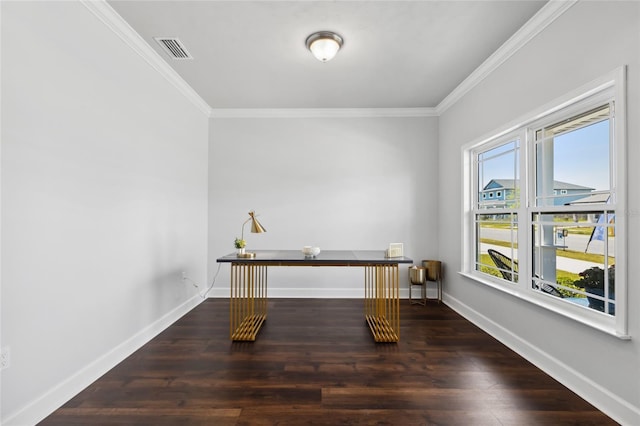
{"x": 246, "y": 255}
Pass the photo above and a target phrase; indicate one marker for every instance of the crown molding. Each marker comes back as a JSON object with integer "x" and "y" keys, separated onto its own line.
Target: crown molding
{"x": 321, "y": 112}
{"x": 545, "y": 16}
{"x": 103, "y": 11}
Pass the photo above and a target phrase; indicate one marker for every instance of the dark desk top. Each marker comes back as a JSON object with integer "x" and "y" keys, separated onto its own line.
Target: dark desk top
{"x": 325, "y": 258}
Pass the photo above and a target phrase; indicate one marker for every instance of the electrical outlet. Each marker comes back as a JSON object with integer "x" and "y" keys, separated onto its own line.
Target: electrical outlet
{"x": 4, "y": 359}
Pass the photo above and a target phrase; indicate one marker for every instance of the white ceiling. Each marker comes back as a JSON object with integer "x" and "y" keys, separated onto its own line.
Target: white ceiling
{"x": 396, "y": 54}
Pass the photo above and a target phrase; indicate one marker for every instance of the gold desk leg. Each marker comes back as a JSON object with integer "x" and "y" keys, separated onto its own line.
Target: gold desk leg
{"x": 248, "y": 304}
{"x": 382, "y": 302}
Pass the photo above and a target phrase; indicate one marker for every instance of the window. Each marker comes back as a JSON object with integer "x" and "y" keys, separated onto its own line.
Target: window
{"x": 575, "y": 149}
{"x": 555, "y": 238}
{"x": 497, "y": 222}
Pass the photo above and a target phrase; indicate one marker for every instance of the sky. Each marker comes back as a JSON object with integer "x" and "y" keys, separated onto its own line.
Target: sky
{"x": 581, "y": 157}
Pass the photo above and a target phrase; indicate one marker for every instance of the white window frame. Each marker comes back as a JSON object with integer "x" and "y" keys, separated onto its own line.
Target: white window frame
{"x": 476, "y": 210}
{"x": 610, "y": 86}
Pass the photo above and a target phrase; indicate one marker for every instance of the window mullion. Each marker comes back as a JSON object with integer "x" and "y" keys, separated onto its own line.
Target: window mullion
{"x": 523, "y": 216}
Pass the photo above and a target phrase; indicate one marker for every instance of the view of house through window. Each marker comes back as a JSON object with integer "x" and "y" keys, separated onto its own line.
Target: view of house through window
{"x": 564, "y": 204}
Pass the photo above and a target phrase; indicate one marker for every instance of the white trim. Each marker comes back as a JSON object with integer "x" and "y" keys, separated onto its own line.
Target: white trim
{"x": 617, "y": 408}
{"x": 103, "y": 11}
{"x": 541, "y": 20}
{"x": 321, "y": 112}
{"x": 620, "y": 189}
{"x": 36, "y": 410}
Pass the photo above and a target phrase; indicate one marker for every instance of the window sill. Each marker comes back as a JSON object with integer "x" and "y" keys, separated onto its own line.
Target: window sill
{"x": 546, "y": 302}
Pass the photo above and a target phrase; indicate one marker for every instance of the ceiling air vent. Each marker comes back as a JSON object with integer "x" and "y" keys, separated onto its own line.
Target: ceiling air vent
{"x": 173, "y": 47}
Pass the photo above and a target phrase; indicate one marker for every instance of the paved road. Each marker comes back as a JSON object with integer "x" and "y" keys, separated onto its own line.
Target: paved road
{"x": 562, "y": 263}
{"x": 572, "y": 242}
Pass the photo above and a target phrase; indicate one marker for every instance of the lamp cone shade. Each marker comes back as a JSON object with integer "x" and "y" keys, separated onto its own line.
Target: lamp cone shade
{"x": 256, "y": 228}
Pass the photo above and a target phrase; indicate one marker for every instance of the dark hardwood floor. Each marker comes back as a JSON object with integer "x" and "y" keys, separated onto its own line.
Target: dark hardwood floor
{"x": 315, "y": 362}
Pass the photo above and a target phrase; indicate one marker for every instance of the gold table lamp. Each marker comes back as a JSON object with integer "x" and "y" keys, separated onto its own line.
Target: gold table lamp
{"x": 256, "y": 228}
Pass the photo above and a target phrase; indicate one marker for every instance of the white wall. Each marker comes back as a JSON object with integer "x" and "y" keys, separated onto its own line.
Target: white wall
{"x": 104, "y": 199}
{"x": 104, "y": 203}
{"x": 586, "y": 42}
{"x": 338, "y": 183}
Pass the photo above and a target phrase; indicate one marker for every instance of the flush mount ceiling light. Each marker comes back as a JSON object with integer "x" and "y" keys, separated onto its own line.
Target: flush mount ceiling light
{"x": 324, "y": 45}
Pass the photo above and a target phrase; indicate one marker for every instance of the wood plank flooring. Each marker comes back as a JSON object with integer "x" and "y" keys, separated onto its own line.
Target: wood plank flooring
{"x": 315, "y": 362}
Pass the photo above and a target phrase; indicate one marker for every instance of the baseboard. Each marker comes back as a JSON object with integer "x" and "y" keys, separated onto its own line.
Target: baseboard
{"x": 612, "y": 405}
{"x": 46, "y": 404}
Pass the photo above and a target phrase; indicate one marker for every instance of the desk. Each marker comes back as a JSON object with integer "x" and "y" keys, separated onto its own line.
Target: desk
{"x": 248, "y": 304}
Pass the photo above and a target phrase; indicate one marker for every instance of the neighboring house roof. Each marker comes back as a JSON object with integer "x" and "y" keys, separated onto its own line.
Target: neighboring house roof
{"x": 564, "y": 185}
{"x": 511, "y": 183}
{"x": 591, "y": 199}
{"x": 501, "y": 183}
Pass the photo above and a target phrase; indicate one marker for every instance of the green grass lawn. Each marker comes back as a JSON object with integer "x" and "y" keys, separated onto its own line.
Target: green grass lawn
{"x": 579, "y": 230}
{"x": 578, "y": 255}
{"x": 563, "y": 278}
